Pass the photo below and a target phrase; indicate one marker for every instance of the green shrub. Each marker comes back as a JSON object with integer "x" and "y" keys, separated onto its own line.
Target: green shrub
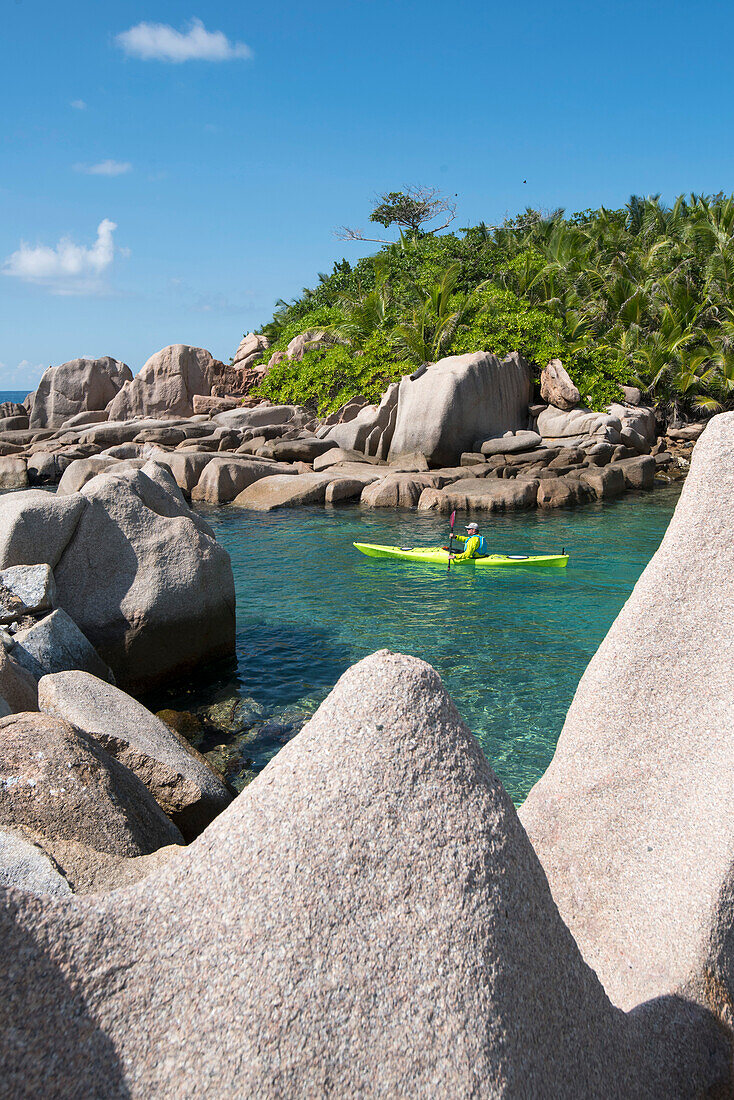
{"x": 327, "y": 378}
{"x": 643, "y": 290}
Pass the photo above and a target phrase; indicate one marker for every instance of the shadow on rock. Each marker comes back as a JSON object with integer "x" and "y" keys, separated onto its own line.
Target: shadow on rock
{"x": 52, "y": 1046}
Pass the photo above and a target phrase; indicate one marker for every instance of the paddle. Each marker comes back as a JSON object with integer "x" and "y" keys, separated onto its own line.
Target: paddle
{"x": 451, "y": 538}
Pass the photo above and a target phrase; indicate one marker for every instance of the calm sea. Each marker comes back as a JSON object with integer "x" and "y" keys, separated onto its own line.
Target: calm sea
{"x": 13, "y": 395}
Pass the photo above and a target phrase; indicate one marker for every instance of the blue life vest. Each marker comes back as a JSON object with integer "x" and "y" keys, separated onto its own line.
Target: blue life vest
{"x": 481, "y": 550}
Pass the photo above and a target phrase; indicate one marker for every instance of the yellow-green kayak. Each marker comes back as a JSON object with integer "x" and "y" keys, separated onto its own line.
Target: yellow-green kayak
{"x": 434, "y": 555}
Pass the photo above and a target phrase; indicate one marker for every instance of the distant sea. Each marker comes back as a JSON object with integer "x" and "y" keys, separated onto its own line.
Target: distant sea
{"x": 13, "y": 395}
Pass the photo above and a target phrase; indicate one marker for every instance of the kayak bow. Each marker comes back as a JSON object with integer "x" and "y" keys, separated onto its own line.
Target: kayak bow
{"x": 427, "y": 555}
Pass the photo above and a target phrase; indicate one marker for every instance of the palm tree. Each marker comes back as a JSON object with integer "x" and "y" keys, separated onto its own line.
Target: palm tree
{"x": 436, "y": 320}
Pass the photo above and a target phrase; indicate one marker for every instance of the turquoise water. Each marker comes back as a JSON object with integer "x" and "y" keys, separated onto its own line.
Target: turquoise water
{"x": 511, "y": 646}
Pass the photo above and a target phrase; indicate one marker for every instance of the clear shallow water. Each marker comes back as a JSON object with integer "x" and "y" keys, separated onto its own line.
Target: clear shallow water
{"x": 510, "y": 645}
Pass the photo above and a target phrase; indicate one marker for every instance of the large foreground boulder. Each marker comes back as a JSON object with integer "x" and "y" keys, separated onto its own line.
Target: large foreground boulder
{"x": 36, "y": 526}
{"x": 139, "y": 573}
{"x": 55, "y": 780}
{"x": 167, "y": 383}
{"x": 458, "y": 400}
{"x": 634, "y": 819}
{"x": 179, "y": 777}
{"x": 79, "y": 386}
{"x": 400, "y": 939}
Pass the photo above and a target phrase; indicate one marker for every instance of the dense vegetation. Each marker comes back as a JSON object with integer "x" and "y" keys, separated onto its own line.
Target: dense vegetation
{"x": 641, "y": 295}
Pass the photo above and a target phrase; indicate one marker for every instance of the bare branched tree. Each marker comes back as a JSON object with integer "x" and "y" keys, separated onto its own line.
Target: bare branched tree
{"x": 411, "y": 210}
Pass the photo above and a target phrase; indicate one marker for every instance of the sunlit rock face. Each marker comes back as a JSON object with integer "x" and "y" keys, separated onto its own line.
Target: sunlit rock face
{"x": 634, "y": 819}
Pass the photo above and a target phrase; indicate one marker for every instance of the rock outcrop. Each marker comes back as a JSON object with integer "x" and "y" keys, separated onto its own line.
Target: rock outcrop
{"x": 79, "y": 386}
{"x": 557, "y": 388}
{"x": 181, "y": 780}
{"x": 633, "y": 819}
{"x": 13, "y": 472}
{"x": 510, "y": 443}
{"x": 25, "y": 865}
{"x": 311, "y": 340}
{"x": 225, "y": 477}
{"x": 139, "y": 573}
{"x": 283, "y": 491}
{"x": 56, "y": 644}
{"x": 166, "y": 385}
{"x": 55, "y": 780}
{"x": 17, "y": 687}
{"x": 560, "y": 424}
{"x": 458, "y": 400}
{"x": 250, "y": 350}
{"x": 481, "y": 495}
{"x": 385, "y": 845}
{"x": 371, "y": 429}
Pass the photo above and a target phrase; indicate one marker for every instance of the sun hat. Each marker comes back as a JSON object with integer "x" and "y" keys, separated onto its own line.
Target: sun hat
{"x": 472, "y": 526}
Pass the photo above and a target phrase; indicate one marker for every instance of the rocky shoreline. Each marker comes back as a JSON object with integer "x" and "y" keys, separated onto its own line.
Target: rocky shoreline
{"x": 370, "y": 916}
{"x": 461, "y": 433}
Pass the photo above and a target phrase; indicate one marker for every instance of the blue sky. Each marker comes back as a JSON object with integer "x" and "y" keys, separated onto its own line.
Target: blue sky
{"x": 224, "y": 175}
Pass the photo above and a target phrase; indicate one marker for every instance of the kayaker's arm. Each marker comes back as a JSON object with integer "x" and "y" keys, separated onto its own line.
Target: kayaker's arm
{"x": 471, "y": 545}
{"x": 454, "y": 538}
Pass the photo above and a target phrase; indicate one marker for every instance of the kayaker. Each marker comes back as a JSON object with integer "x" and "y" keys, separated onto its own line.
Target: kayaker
{"x": 474, "y": 544}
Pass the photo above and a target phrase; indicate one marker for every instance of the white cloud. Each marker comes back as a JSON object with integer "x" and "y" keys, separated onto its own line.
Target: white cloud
{"x": 105, "y": 168}
{"x": 160, "y": 42}
{"x": 78, "y": 105}
{"x": 68, "y": 268}
{"x": 25, "y": 376}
